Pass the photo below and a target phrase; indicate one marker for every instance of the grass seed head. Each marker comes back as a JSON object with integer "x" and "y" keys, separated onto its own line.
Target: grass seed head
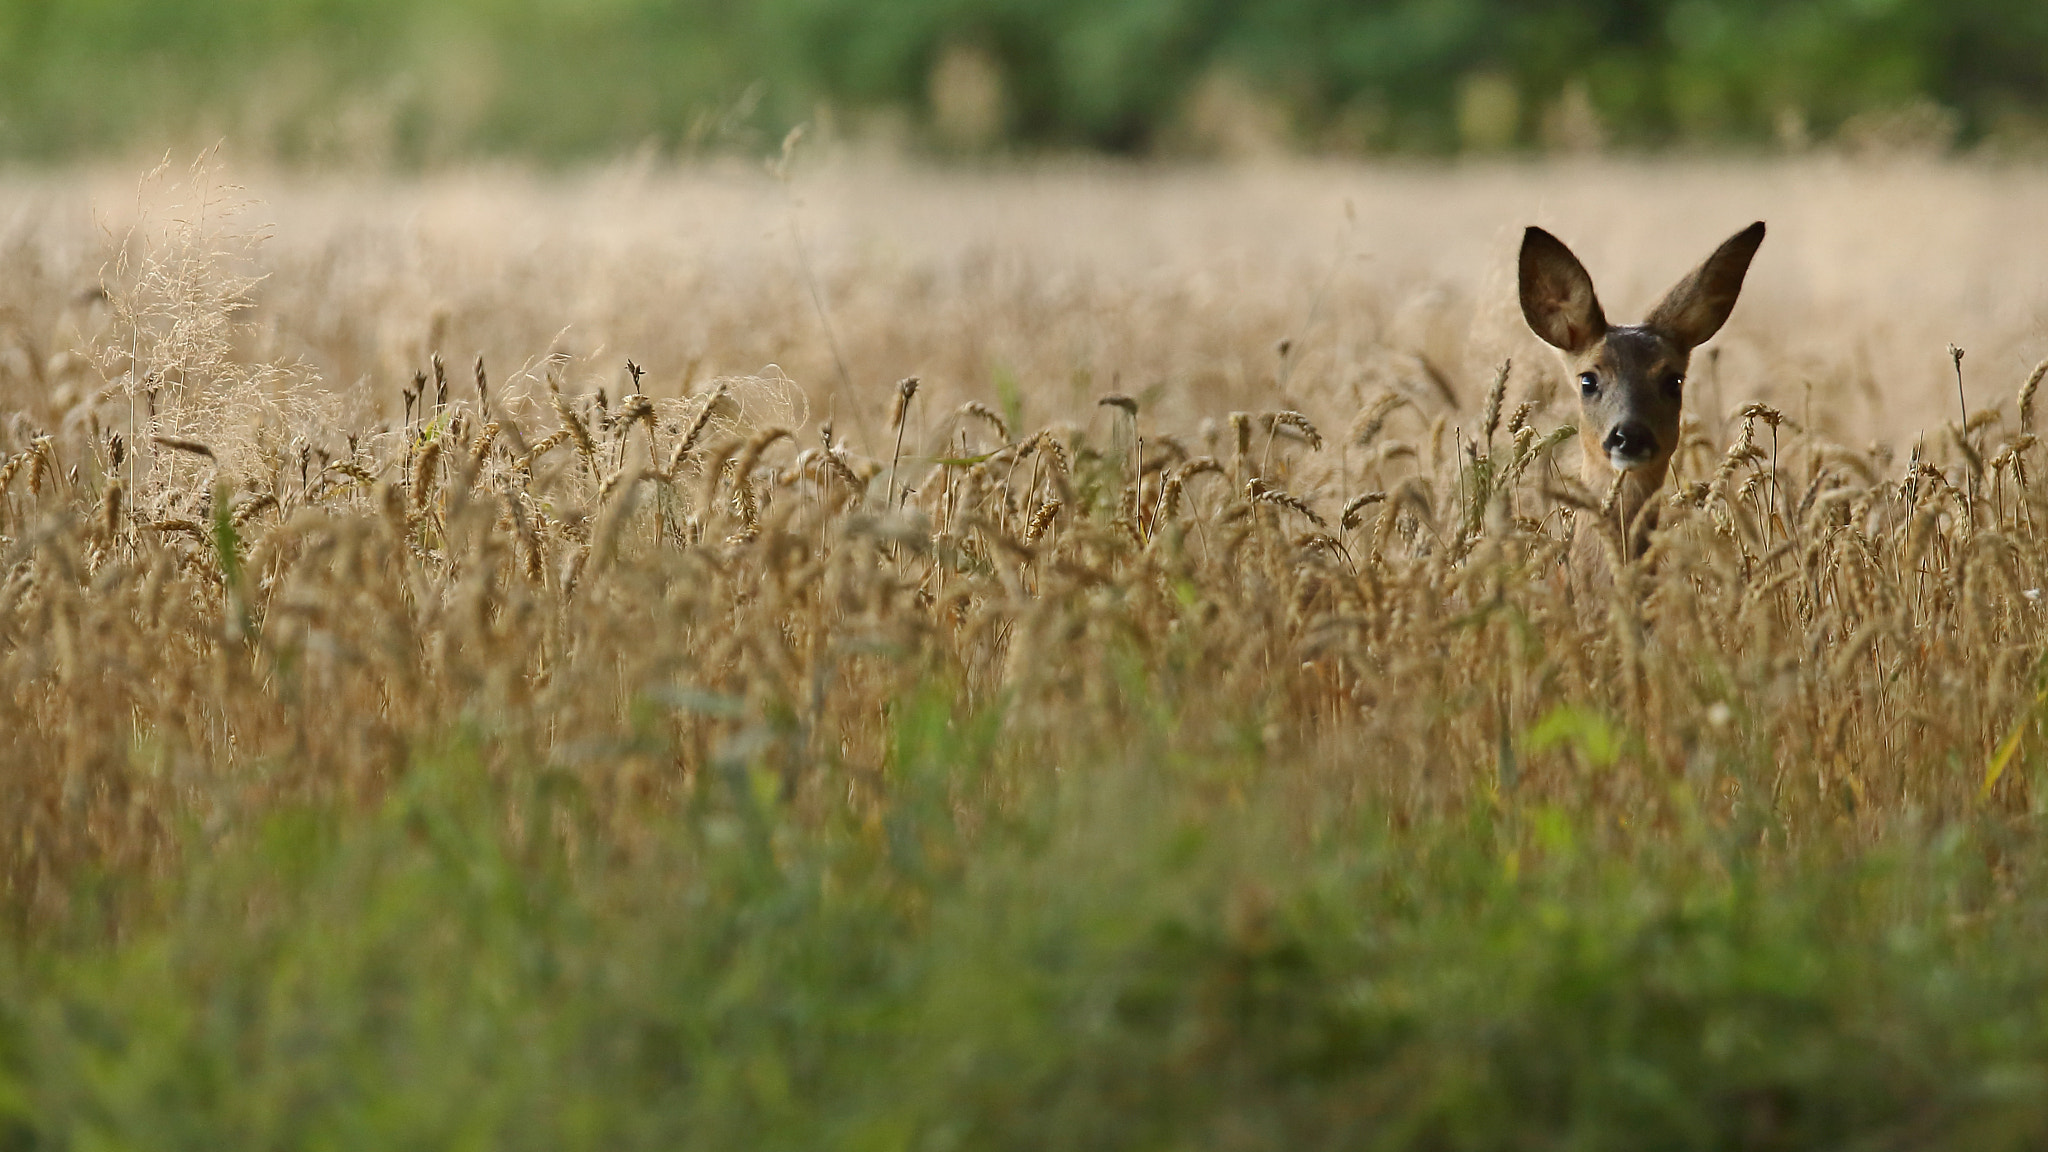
{"x": 989, "y": 416}
{"x": 572, "y": 423}
{"x": 426, "y": 470}
{"x": 1301, "y": 424}
{"x": 1261, "y": 493}
{"x": 2027, "y": 394}
{"x": 109, "y": 518}
{"x": 253, "y": 507}
{"x": 1041, "y": 520}
{"x": 906, "y": 391}
{"x": 1490, "y": 418}
{"x": 182, "y": 444}
{"x": 1354, "y": 509}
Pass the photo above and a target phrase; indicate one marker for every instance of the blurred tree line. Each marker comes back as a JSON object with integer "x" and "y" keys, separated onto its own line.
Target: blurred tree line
{"x": 417, "y": 80}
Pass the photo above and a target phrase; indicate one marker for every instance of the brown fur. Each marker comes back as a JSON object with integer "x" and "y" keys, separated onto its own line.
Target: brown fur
{"x": 1631, "y": 377}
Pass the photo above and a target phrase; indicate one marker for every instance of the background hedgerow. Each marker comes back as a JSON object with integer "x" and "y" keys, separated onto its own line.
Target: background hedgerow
{"x": 348, "y": 82}
{"x": 1165, "y": 717}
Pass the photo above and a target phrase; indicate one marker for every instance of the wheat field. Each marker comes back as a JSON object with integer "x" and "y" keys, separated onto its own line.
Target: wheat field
{"x": 1078, "y": 656}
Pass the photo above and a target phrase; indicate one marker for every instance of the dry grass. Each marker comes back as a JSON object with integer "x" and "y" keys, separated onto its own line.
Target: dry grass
{"x": 268, "y": 521}
{"x": 1085, "y": 644}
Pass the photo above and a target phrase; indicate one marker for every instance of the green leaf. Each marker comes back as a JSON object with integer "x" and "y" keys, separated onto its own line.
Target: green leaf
{"x": 2010, "y": 746}
{"x": 1010, "y": 396}
{"x": 1586, "y": 732}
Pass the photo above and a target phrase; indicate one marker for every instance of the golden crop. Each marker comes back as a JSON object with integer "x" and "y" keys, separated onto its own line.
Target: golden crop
{"x": 276, "y": 512}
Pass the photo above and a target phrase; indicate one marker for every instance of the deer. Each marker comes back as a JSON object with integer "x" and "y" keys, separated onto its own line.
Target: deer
{"x": 1630, "y": 377}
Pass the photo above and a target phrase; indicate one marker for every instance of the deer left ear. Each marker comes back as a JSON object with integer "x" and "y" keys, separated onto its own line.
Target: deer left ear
{"x": 1694, "y": 310}
{"x": 1558, "y": 299}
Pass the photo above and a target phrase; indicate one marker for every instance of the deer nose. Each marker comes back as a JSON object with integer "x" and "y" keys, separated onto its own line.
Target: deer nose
{"x": 1632, "y": 441}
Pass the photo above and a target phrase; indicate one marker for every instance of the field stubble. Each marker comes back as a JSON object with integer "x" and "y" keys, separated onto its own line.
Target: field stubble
{"x": 1211, "y": 492}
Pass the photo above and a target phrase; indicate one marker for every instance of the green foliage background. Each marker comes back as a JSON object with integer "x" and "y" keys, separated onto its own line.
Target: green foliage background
{"x": 560, "y": 78}
{"x": 1106, "y": 963}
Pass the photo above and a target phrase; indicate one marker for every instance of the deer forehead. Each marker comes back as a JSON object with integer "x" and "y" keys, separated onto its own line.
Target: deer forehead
{"x": 1632, "y": 355}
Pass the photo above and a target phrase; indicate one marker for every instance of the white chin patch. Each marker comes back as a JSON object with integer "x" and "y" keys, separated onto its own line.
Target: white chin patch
{"x": 1624, "y": 464}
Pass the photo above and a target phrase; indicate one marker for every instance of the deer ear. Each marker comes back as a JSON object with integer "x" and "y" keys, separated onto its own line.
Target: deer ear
{"x": 1694, "y": 310}
{"x": 1557, "y": 295}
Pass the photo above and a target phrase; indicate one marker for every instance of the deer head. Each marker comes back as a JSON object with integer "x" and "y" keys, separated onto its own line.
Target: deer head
{"x": 1631, "y": 378}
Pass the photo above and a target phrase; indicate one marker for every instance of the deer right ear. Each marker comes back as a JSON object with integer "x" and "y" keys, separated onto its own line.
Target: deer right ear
{"x": 1701, "y": 302}
{"x": 1557, "y": 294}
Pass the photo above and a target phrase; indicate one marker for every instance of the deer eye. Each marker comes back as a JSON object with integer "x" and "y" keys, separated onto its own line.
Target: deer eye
{"x": 1674, "y": 384}
{"x": 1588, "y": 383}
